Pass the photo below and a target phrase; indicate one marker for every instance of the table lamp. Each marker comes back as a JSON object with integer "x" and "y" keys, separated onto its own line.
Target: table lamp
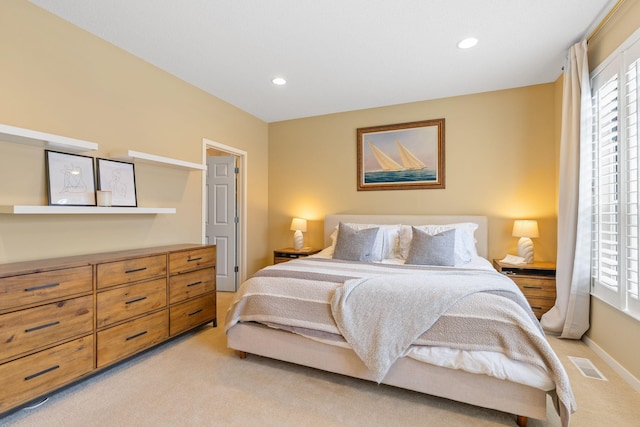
{"x": 525, "y": 229}
{"x": 299, "y": 225}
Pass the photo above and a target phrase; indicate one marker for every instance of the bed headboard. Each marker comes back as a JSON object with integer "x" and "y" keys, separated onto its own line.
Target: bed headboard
{"x": 482, "y": 233}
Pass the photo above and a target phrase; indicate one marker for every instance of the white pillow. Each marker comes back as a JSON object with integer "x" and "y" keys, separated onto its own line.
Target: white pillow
{"x": 387, "y": 244}
{"x": 465, "y": 242}
{"x": 329, "y": 250}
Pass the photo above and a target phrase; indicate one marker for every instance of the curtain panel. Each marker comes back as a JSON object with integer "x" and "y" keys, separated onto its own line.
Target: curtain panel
{"x": 569, "y": 317}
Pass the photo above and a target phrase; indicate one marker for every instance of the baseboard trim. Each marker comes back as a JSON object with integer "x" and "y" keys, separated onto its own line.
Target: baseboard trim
{"x": 618, "y": 368}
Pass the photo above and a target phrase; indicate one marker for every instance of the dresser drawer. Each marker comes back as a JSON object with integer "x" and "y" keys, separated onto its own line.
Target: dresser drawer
{"x": 25, "y": 330}
{"x": 122, "y": 303}
{"x": 536, "y": 286}
{"x": 540, "y": 305}
{"x": 131, "y": 337}
{"x": 131, "y": 270}
{"x": 192, "y": 313}
{"x": 29, "y": 377}
{"x": 192, "y": 284}
{"x": 34, "y": 288}
{"x": 192, "y": 259}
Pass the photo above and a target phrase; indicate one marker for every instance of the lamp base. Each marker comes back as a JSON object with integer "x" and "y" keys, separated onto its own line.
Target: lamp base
{"x": 297, "y": 240}
{"x": 525, "y": 249}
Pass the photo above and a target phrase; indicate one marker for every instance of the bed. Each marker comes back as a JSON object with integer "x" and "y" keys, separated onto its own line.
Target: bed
{"x": 358, "y": 308}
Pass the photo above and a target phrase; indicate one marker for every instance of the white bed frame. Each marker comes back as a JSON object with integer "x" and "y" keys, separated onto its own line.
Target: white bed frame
{"x": 480, "y": 390}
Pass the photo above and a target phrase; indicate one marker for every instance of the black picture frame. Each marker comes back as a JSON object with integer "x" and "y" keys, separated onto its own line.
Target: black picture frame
{"x": 120, "y": 178}
{"x": 70, "y": 179}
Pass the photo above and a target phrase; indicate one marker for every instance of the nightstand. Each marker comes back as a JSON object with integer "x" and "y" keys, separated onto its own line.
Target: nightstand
{"x": 537, "y": 281}
{"x": 287, "y": 254}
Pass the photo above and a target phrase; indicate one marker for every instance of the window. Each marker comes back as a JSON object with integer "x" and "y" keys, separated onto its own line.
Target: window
{"x": 616, "y": 177}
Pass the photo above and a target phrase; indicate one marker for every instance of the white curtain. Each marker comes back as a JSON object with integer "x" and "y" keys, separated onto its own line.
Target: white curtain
{"x": 569, "y": 318}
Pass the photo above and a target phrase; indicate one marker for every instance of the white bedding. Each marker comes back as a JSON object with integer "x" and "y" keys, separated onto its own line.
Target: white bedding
{"x": 476, "y": 362}
{"x": 476, "y": 262}
{"x": 485, "y": 362}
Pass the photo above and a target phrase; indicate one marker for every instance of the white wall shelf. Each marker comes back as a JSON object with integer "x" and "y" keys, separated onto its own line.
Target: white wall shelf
{"x": 56, "y": 142}
{"x": 47, "y": 140}
{"x": 137, "y": 156}
{"x": 66, "y": 210}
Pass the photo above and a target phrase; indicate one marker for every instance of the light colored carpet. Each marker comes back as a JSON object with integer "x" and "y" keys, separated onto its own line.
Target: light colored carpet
{"x": 196, "y": 381}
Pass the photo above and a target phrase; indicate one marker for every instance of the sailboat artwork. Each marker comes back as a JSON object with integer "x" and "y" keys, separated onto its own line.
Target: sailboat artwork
{"x": 401, "y": 156}
{"x": 410, "y": 168}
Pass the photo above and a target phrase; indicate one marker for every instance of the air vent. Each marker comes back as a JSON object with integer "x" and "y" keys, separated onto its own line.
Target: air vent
{"x": 587, "y": 368}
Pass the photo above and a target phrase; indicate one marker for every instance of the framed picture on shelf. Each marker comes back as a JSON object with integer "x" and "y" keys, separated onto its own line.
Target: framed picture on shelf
{"x": 70, "y": 179}
{"x": 119, "y": 178}
{"x": 402, "y": 156}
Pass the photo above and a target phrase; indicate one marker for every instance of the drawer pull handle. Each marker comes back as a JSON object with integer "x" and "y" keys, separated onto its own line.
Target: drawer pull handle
{"x": 46, "y": 325}
{"x": 194, "y": 283}
{"x": 536, "y": 307}
{"x": 131, "y": 301}
{"x": 37, "y": 374}
{"x": 135, "y": 270}
{"x": 195, "y": 312}
{"x": 139, "y": 334}
{"x": 532, "y": 287}
{"x": 37, "y": 288}
{"x": 194, "y": 259}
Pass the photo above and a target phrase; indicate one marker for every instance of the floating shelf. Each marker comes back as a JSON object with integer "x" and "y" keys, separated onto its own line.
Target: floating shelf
{"x": 41, "y": 139}
{"x": 67, "y": 210}
{"x": 46, "y": 140}
{"x": 137, "y": 156}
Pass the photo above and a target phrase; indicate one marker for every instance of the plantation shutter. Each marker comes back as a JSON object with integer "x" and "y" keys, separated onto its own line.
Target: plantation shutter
{"x": 606, "y": 150}
{"x": 616, "y": 181}
{"x": 633, "y": 170}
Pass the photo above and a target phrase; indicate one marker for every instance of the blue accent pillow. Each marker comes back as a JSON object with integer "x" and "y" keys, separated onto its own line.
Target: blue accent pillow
{"x": 428, "y": 249}
{"x": 355, "y": 245}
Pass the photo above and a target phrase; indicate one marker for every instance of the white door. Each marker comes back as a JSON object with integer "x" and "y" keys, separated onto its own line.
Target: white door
{"x": 222, "y": 222}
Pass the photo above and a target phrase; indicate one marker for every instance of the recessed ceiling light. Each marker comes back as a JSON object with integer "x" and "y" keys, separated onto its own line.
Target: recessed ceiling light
{"x": 279, "y": 81}
{"x": 467, "y": 43}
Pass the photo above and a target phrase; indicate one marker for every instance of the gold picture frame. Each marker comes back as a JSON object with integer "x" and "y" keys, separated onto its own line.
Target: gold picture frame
{"x": 403, "y": 156}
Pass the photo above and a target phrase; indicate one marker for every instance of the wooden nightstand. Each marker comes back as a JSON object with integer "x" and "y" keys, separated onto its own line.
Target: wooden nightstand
{"x": 537, "y": 281}
{"x": 287, "y": 254}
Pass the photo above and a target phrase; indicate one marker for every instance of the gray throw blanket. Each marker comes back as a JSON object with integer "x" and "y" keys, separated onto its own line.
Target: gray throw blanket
{"x": 381, "y": 318}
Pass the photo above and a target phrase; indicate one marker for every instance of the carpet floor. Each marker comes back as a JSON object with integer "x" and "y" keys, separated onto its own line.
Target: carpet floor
{"x": 195, "y": 380}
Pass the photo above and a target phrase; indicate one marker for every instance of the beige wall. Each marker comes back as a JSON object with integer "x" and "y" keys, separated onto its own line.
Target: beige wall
{"x": 500, "y": 151}
{"x": 613, "y": 331}
{"x": 60, "y": 79}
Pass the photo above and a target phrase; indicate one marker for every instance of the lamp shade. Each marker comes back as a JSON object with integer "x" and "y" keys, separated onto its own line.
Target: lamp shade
{"x": 299, "y": 224}
{"x": 525, "y": 228}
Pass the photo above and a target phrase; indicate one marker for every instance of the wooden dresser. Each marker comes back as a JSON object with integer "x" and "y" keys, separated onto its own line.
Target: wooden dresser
{"x": 63, "y": 319}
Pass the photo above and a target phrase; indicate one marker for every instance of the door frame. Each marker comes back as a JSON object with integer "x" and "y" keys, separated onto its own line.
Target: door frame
{"x": 241, "y": 242}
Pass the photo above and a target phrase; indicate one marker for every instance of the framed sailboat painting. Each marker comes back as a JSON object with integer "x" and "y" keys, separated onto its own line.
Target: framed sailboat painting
{"x": 403, "y": 156}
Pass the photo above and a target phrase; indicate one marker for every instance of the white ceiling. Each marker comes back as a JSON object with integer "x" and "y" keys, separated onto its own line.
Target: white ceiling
{"x": 341, "y": 55}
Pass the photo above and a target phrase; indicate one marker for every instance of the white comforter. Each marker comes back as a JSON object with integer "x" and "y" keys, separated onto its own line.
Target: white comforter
{"x": 478, "y": 362}
{"x": 296, "y": 295}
